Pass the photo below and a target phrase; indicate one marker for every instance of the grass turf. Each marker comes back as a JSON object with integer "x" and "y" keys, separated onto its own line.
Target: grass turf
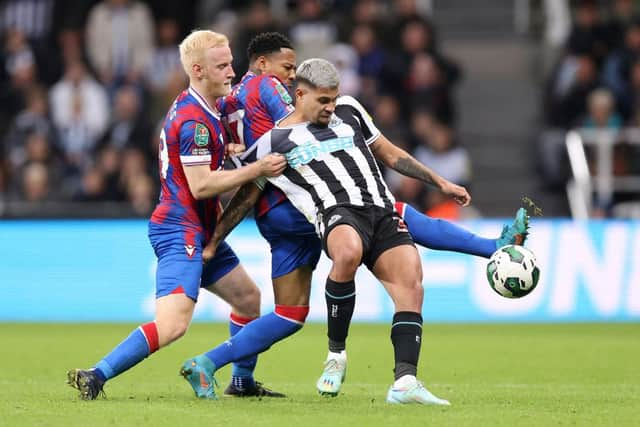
{"x": 494, "y": 375}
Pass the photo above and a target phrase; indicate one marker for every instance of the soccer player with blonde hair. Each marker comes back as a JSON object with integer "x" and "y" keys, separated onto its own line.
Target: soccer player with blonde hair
{"x": 191, "y": 156}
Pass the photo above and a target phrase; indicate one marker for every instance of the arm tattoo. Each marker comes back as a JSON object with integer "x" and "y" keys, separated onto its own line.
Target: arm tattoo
{"x": 236, "y": 210}
{"x": 409, "y": 166}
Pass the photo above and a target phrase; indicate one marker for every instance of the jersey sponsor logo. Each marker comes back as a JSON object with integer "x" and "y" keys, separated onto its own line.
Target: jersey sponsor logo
{"x": 284, "y": 94}
{"x": 201, "y": 135}
{"x": 190, "y": 250}
{"x": 333, "y": 219}
{"x": 307, "y": 151}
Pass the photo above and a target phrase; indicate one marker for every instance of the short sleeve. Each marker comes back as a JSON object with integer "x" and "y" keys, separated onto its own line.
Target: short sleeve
{"x": 276, "y": 98}
{"x": 194, "y": 144}
{"x": 261, "y": 148}
{"x": 369, "y": 129}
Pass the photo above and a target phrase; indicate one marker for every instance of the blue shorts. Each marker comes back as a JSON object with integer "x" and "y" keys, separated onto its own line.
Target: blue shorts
{"x": 180, "y": 265}
{"x": 293, "y": 239}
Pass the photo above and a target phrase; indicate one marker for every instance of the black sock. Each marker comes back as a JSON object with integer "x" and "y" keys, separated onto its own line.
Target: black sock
{"x": 406, "y": 336}
{"x": 341, "y": 300}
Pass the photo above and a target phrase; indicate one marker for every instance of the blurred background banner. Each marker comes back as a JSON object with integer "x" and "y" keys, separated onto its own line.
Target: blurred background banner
{"x": 103, "y": 270}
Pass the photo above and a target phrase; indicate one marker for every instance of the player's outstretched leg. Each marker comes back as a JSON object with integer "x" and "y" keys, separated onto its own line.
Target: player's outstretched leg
{"x": 409, "y": 390}
{"x": 333, "y": 374}
{"x": 87, "y": 381}
{"x": 443, "y": 235}
{"x": 199, "y": 374}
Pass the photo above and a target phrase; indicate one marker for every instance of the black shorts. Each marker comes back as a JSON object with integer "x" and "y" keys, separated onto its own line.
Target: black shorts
{"x": 380, "y": 229}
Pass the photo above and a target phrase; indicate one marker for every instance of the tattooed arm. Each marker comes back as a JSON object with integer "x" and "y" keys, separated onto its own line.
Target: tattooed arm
{"x": 401, "y": 161}
{"x": 236, "y": 210}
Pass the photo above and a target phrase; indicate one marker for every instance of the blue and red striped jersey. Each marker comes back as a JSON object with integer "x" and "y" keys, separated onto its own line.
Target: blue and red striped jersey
{"x": 191, "y": 135}
{"x": 252, "y": 108}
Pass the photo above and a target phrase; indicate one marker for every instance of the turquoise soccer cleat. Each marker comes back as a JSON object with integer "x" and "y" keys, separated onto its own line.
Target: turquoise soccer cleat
{"x": 414, "y": 392}
{"x": 199, "y": 374}
{"x": 333, "y": 375}
{"x": 517, "y": 232}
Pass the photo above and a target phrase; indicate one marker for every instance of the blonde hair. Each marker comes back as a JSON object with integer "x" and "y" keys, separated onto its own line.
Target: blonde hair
{"x": 194, "y": 46}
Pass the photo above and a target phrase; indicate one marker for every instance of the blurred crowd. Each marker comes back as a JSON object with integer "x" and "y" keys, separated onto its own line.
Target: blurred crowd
{"x": 595, "y": 85}
{"x": 84, "y": 86}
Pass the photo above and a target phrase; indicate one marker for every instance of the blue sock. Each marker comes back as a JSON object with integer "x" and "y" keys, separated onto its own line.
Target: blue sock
{"x": 242, "y": 370}
{"x": 443, "y": 235}
{"x": 125, "y": 355}
{"x": 252, "y": 339}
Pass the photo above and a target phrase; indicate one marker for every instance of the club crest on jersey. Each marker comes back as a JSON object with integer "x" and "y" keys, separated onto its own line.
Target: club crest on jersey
{"x": 284, "y": 94}
{"x": 201, "y": 135}
{"x": 191, "y": 249}
{"x": 334, "y": 121}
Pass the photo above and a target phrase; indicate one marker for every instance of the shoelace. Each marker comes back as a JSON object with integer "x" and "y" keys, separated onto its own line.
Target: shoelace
{"x": 332, "y": 366}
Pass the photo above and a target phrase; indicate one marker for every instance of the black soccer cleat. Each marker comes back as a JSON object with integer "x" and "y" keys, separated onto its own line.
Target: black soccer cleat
{"x": 87, "y": 382}
{"x": 258, "y": 390}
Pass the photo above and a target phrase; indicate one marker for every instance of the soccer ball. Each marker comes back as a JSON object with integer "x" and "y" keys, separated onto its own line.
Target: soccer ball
{"x": 512, "y": 271}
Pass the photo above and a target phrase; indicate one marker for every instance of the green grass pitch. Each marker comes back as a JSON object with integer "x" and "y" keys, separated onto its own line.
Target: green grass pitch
{"x": 494, "y": 375}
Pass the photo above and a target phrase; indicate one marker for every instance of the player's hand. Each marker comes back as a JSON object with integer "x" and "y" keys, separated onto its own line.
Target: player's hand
{"x": 272, "y": 164}
{"x": 458, "y": 192}
{"x": 233, "y": 149}
{"x": 209, "y": 251}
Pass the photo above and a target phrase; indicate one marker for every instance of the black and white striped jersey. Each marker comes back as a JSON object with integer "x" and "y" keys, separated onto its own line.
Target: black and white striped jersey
{"x": 328, "y": 165}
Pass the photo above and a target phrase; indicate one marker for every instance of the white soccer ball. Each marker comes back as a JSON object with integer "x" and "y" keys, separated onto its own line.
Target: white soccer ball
{"x": 512, "y": 271}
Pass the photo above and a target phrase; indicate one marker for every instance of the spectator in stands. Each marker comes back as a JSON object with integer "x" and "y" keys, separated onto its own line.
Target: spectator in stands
{"x": 32, "y": 119}
{"x": 257, "y": 19}
{"x": 623, "y": 15}
{"x": 80, "y": 112}
{"x": 567, "y": 97}
{"x": 601, "y": 111}
{"x": 344, "y": 57}
{"x": 617, "y": 69}
{"x": 164, "y": 70}
{"x": 35, "y": 183}
{"x": 588, "y": 35}
{"x": 426, "y": 89}
{"x": 443, "y": 155}
{"x": 128, "y": 127}
{"x": 368, "y": 13}
{"x": 119, "y": 41}
{"x": 37, "y": 20}
{"x": 92, "y": 187}
{"x": 108, "y": 163}
{"x": 141, "y": 195}
{"x": 18, "y": 62}
{"x": 311, "y": 32}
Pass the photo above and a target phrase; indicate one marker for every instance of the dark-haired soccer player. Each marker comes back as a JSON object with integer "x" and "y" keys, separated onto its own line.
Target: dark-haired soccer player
{"x": 192, "y": 152}
{"x": 253, "y": 107}
{"x": 331, "y": 146}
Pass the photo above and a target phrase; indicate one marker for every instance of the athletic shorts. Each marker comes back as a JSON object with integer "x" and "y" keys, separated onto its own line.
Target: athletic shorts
{"x": 180, "y": 268}
{"x": 293, "y": 240}
{"x": 380, "y": 229}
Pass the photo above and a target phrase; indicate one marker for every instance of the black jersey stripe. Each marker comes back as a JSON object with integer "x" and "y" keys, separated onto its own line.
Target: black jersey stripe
{"x": 346, "y": 110}
{"x": 356, "y": 174}
{"x": 296, "y": 178}
{"x": 336, "y": 188}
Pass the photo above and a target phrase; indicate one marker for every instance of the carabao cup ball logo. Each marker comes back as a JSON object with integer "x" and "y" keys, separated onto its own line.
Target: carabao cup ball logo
{"x": 513, "y": 272}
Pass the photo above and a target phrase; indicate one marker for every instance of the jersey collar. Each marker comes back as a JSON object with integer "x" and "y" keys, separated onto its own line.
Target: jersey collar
{"x": 203, "y": 103}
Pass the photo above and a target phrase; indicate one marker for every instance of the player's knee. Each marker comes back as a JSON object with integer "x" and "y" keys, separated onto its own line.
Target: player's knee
{"x": 346, "y": 258}
{"x": 247, "y": 303}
